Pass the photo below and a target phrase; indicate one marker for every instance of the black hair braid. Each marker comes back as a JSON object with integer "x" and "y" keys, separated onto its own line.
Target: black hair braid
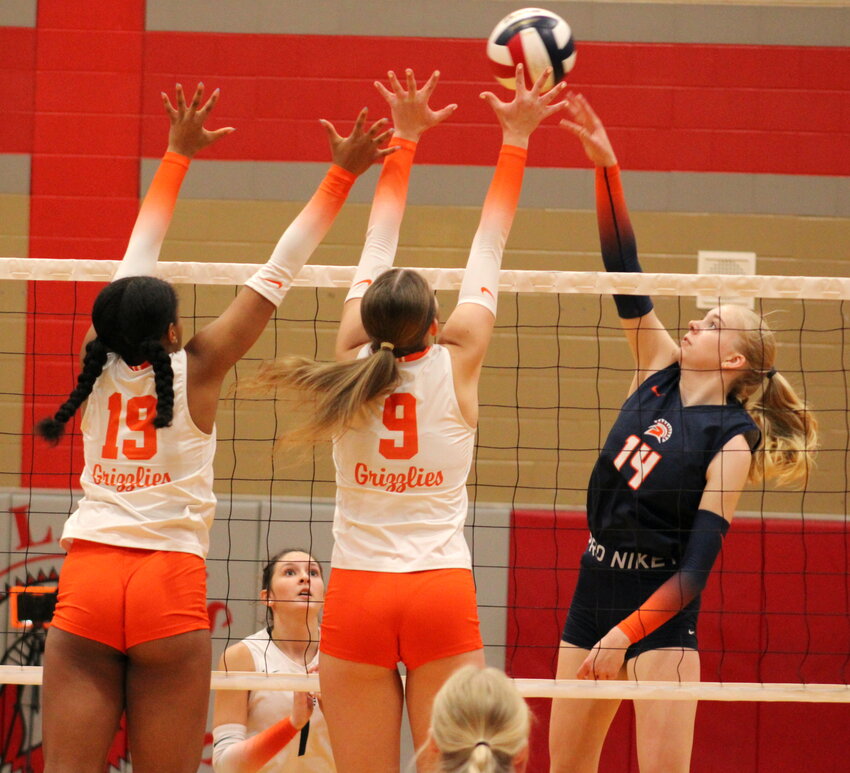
{"x": 154, "y": 352}
{"x": 52, "y": 428}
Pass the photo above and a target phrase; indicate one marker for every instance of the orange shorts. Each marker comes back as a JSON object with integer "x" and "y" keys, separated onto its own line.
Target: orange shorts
{"x": 125, "y": 596}
{"x": 381, "y": 618}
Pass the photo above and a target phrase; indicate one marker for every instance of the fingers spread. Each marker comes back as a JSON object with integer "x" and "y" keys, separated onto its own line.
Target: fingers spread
{"x": 169, "y": 108}
{"x": 330, "y": 130}
{"x": 431, "y": 84}
{"x": 411, "y": 83}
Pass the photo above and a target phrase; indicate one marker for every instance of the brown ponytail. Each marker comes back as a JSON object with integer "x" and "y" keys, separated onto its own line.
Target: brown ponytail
{"x": 337, "y": 392}
{"x": 397, "y": 311}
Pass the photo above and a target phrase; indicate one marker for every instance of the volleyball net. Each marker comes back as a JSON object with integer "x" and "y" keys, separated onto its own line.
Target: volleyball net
{"x": 774, "y": 620}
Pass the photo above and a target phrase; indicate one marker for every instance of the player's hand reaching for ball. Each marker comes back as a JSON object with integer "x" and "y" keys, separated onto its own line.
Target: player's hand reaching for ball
{"x": 363, "y": 147}
{"x": 585, "y": 124}
{"x": 520, "y": 117}
{"x": 412, "y": 115}
{"x": 187, "y": 134}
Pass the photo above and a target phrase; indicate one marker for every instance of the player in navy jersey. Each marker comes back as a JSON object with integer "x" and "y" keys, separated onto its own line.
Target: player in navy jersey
{"x": 702, "y": 417}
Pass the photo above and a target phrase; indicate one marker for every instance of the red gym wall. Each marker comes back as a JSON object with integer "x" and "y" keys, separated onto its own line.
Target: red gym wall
{"x": 781, "y": 587}
{"x": 81, "y": 98}
{"x": 752, "y": 95}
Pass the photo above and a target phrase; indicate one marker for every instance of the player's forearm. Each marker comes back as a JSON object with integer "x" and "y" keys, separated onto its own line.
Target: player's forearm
{"x": 154, "y": 217}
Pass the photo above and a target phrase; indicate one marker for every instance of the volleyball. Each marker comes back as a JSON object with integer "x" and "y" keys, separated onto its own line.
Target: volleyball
{"x": 535, "y": 38}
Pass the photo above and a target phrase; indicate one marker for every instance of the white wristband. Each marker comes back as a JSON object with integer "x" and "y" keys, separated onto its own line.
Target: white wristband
{"x": 225, "y": 737}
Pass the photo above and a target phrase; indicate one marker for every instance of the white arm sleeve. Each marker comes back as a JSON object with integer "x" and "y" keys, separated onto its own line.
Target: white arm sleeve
{"x": 225, "y": 737}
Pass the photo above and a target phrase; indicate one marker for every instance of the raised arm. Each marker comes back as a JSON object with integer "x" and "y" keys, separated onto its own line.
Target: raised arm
{"x": 216, "y": 348}
{"x": 652, "y": 346}
{"x": 469, "y": 328}
{"x": 186, "y": 136}
{"x": 412, "y": 117}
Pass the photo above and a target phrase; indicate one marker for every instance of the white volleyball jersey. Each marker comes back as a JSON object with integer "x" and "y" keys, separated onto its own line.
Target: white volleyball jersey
{"x": 143, "y": 487}
{"x": 267, "y": 707}
{"x": 401, "y": 476}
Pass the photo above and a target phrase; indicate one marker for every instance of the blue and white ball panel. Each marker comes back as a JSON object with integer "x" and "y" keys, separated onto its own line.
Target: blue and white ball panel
{"x": 535, "y": 38}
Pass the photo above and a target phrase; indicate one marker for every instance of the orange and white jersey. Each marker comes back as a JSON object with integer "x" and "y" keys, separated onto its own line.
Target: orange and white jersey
{"x": 267, "y": 707}
{"x": 143, "y": 487}
{"x": 401, "y": 499}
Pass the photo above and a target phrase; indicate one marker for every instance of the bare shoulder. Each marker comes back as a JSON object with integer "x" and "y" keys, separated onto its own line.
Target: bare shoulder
{"x": 237, "y": 658}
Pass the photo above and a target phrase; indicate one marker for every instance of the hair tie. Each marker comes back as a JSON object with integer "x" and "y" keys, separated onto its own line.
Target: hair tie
{"x": 387, "y": 345}
{"x": 771, "y": 373}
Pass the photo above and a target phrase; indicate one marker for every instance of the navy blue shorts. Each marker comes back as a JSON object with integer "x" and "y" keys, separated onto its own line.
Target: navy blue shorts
{"x": 605, "y": 596}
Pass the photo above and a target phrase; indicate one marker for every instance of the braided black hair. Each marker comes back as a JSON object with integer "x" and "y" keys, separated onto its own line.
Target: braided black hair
{"x": 52, "y": 428}
{"x": 130, "y": 316}
{"x": 154, "y": 352}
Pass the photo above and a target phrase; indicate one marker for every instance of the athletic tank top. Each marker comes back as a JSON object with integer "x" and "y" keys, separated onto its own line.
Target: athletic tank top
{"x": 143, "y": 487}
{"x": 401, "y": 498}
{"x": 649, "y": 479}
{"x": 267, "y": 707}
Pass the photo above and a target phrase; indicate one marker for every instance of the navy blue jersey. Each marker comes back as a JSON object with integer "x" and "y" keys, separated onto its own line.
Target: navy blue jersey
{"x": 649, "y": 479}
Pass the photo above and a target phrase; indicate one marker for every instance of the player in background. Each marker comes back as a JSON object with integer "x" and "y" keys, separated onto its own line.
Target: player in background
{"x": 402, "y": 413}
{"x": 273, "y": 730}
{"x": 703, "y": 416}
{"x": 480, "y": 724}
{"x": 130, "y": 631}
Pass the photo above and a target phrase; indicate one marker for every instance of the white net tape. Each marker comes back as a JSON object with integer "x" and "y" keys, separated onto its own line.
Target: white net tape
{"x": 538, "y": 688}
{"x": 574, "y": 282}
{"x": 584, "y": 282}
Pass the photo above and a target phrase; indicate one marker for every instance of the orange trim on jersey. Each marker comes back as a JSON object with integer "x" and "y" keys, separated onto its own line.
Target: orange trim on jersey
{"x": 414, "y": 356}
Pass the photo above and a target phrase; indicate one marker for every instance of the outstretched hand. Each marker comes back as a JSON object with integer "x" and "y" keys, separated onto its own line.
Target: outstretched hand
{"x": 187, "y": 134}
{"x": 412, "y": 115}
{"x": 520, "y": 117}
{"x": 585, "y": 125}
{"x": 362, "y": 148}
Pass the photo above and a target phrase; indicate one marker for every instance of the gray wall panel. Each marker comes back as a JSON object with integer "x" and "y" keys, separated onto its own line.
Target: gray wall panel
{"x": 760, "y": 23}
{"x": 17, "y": 13}
{"x": 460, "y": 186}
{"x": 14, "y": 173}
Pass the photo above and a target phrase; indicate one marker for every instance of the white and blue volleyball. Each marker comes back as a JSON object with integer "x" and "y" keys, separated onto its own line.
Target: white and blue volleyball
{"x": 536, "y": 39}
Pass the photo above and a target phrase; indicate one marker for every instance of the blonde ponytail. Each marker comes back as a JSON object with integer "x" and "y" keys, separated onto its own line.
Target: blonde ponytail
{"x": 397, "y": 312}
{"x": 479, "y": 722}
{"x": 789, "y": 440}
{"x": 786, "y": 453}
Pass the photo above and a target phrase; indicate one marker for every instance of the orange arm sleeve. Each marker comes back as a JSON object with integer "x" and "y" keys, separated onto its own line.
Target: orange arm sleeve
{"x": 154, "y": 218}
{"x": 481, "y": 278}
{"x": 249, "y": 755}
{"x": 385, "y": 218}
